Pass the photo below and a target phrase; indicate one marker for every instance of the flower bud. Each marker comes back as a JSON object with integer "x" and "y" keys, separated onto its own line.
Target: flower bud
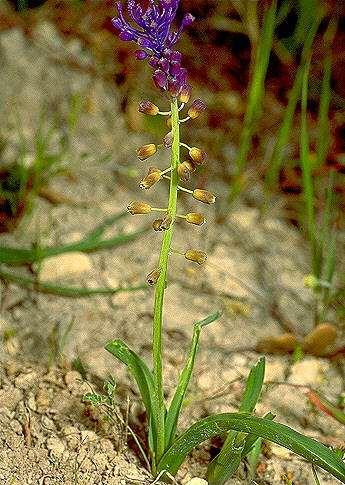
{"x": 185, "y": 94}
{"x": 166, "y": 222}
{"x": 195, "y": 218}
{"x": 204, "y": 196}
{"x": 169, "y": 122}
{"x": 146, "y": 151}
{"x": 168, "y": 140}
{"x": 152, "y": 177}
{"x": 152, "y": 278}
{"x": 197, "y": 107}
{"x": 196, "y": 256}
{"x": 157, "y": 225}
{"x": 184, "y": 170}
{"x": 198, "y": 156}
{"x": 138, "y": 208}
{"x": 148, "y": 108}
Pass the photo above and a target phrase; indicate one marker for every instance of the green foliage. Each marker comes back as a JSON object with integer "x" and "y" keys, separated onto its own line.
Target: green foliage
{"x": 93, "y": 241}
{"x": 228, "y": 460}
{"x": 256, "y": 93}
{"x": 280, "y": 434}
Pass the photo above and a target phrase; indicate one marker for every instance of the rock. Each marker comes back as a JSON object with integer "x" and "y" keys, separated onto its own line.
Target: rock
{"x": 308, "y": 372}
{"x": 65, "y": 265}
{"x": 56, "y": 447}
{"x": 275, "y": 371}
{"x": 10, "y": 397}
{"x": 197, "y": 481}
{"x": 25, "y": 381}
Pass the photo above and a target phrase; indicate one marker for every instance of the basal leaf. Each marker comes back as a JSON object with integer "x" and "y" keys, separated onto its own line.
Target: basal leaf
{"x": 216, "y": 425}
{"x": 176, "y": 403}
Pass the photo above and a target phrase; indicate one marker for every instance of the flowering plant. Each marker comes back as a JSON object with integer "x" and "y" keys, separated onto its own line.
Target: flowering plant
{"x": 151, "y": 30}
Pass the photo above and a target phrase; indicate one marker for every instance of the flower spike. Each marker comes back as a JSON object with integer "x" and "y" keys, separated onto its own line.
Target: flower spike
{"x": 153, "y": 34}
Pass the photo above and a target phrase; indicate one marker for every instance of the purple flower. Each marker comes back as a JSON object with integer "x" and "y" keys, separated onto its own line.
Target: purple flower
{"x": 152, "y": 32}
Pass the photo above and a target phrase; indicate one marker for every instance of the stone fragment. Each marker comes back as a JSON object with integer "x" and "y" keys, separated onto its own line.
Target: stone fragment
{"x": 307, "y": 372}
{"x": 65, "y": 265}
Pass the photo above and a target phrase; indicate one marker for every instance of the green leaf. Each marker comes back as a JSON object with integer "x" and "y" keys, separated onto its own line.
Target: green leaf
{"x": 224, "y": 465}
{"x": 176, "y": 403}
{"x": 212, "y": 426}
{"x": 143, "y": 378}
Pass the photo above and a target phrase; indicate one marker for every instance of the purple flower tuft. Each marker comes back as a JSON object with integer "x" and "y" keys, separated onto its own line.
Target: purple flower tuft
{"x": 153, "y": 34}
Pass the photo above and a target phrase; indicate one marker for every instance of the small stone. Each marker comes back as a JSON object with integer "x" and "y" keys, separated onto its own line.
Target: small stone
{"x": 197, "y": 481}
{"x": 42, "y": 398}
{"x": 88, "y": 436}
{"x": 25, "y": 381}
{"x": 65, "y": 265}
{"x": 10, "y": 397}
{"x": 308, "y": 372}
{"x": 72, "y": 379}
{"x": 48, "y": 423}
{"x": 31, "y": 402}
{"x": 56, "y": 447}
{"x": 274, "y": 371}
{"x": 100, "y": 460}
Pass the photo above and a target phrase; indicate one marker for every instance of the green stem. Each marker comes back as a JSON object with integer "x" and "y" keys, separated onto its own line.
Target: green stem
{"x": 161, "y": 283}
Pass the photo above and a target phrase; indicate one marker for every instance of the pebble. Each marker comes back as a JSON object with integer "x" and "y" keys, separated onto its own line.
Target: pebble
{"x": 55, "y": 446}
{"x": 25, "y": 381}
{"x": 308, "y": 372}
{"x": 197, "y": 481}
{"x": 10, "y": 397}
{"x": 65, "y": 265}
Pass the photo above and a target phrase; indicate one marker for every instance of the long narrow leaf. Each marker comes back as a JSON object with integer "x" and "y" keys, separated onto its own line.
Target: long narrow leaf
{"x": 285, "y": 129}
{"x": 224, "y": 465}
{"x": 144, "y": 379}
{"x": 14, "y": 256}
{"x": 255, "y": 96}
{"x": 280, "y": 434}
{"x": 176, "y": 403}
{"x": 66, "y": 291}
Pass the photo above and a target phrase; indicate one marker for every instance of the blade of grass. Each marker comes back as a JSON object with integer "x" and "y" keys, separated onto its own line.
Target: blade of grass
{"x": 279, "y": 150}
{"x": 176, "y": 403}
{"x": 215, "y": 425}
{"x": 255, "y": 97}
{"x": 14, "y": 256}
{"x": 307, "y": 179}
{"x": 66, "y": 291}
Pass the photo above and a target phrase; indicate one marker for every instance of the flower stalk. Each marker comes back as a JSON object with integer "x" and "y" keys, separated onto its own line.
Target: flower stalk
{"x": 161, "y": 283}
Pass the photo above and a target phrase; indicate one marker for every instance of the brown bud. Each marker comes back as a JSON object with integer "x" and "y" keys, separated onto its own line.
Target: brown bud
{"x": 157, "y": 224}
{"x": 198, "y": 156}
{"x": 195, "y": 218}
{"x": 166, "y": 222}
{"x": 148, "y": 108}
{"x": 319, "y": 339}
{"x": 279, "y": 344}
{"x": 152, "y": 177}
{"x": 168, "y": 140}
{"x": 146, "y": 151}
{"x": 152, "y": 278}
{"x": 197, "y": 107}
{"x": 185, "y": 94}
{"x": 204, "y": 196}
{"x": 138, "y": 208}
{"x": 196, "y": 256}
{"x": 185, "y": 170}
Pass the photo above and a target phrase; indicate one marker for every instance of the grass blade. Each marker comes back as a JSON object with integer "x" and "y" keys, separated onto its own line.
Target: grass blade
{"x": 66, "y": 291}
{"x": 176, "y": 403}
{"x": 255, "y": 96}
{"x": 285, "y": 129}
{"x": 224, "y": 465}
{"x": 18, "y": 256}
{"x": 212, "y": 426}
